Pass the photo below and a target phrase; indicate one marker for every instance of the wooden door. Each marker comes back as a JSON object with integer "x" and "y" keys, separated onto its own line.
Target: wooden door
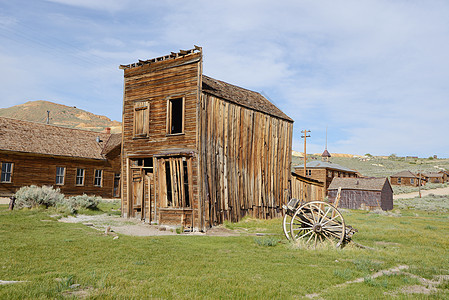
{"x": 138, "y": 185}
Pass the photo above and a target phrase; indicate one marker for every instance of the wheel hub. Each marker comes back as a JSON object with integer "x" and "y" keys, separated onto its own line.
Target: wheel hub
{"x": 317, "y": 227}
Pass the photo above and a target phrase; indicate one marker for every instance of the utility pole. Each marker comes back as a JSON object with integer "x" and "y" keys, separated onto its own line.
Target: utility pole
{"x": 305, "y": 136}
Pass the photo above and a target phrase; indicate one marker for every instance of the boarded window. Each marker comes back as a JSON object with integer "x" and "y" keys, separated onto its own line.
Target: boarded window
{"x": 141, "y": 119}
{"x": 60, "y": 173}
{"x": 175, "y": 116}
{"x": 175, "y": 182}
{"x": 6, "y": 172}
{"x": 98, "y": 177}
{"x": 79, "y": 176}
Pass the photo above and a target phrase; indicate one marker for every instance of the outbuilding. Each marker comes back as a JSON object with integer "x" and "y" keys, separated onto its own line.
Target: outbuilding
{"x": 362, "y": 193}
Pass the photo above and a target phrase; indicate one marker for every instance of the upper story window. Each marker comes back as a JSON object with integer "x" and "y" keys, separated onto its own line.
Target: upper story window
{"x": 6, "y": 174}
{"x": 141, "y": 119}
{"x": 98, "y": 177}
{"x": 60, "y": 174}
{"x": 175, "y": 116}
{"x": 79, "y": 176}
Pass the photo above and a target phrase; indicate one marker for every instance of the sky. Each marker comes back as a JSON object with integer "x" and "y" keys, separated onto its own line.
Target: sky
{"x": 374, "y": 73}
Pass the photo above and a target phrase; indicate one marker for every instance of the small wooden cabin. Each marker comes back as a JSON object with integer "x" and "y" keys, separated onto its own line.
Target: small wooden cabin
{"x": 325, "y": 171}
{"x": 434, "y": 177}
{"x": 406, "y": 178}
{"x": 362, "y": 193}
{"x": 73, "y": 160}
{"x": 198, "y": 151}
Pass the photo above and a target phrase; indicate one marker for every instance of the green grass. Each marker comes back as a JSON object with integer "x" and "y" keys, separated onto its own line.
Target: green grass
{"x": 384, "y": 167}
{"x": 53, "y": 258}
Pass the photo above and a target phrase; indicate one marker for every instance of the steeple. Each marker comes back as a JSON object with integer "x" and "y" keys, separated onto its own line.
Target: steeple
{"x": 325, "y": 156}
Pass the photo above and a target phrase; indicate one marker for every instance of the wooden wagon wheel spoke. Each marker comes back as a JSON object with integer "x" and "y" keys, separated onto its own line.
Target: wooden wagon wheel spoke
{"x": 302, "y": 236}
{"x": 317, "y": 221}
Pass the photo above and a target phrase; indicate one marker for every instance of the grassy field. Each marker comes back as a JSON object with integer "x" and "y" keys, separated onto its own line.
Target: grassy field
{"x": 60, "y": 260}
{"x": 383, "y": 167}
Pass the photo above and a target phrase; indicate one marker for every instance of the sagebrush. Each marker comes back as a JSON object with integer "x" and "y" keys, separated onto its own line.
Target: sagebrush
{"x": 34, "y": 196}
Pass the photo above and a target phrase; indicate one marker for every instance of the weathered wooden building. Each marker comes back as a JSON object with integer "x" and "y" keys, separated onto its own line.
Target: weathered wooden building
{"x": 406, "y": 178}
{"x": 325, "y": 171}
{"x": 434, "y": 177}
{"x": 307, "y": 189}
{"x": 198, "y": 151}
{"x": 71, "y": 159}
{"x": 362, "y": 193}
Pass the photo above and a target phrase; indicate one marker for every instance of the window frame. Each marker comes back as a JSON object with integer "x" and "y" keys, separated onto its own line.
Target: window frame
{"x": 169, "y": 124}
{"x": 60, "y": 176}
{"x": 5, "y": 173}
{"x": 77, "y": 176}
{"x": 140, "y": 106}
{"x": 100, "y": 178}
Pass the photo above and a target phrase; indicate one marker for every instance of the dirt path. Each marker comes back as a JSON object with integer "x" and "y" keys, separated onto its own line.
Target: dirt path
{"x": 137, "y": 228}
{"x": 441, "y": 191}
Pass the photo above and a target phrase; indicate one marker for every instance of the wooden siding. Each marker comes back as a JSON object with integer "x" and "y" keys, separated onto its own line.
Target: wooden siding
{"x": 157, "y": 83}
{"x": 363, "y": 199}
{"x": 33, "y": 169}
{"x": 246, "y": 161}
{"x": 307, "y": 190}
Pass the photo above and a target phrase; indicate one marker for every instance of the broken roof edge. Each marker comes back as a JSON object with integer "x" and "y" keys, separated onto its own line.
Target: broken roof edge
{"x": 172, "y": 55}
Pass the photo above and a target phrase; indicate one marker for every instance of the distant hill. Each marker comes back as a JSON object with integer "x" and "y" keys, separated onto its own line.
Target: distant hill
{"x": 61, "y": 115}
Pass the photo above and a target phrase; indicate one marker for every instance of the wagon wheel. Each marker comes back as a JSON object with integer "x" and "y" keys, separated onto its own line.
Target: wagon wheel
{"x": 286, "y": 225}
{"x": 318, "y": 221}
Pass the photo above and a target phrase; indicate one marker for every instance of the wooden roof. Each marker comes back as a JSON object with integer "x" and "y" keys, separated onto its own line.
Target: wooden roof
{"x": 433, "y": 174}
{"x": 39, "y": 138}
{"x": 405, "y": 174}
{"x": 241, "y": 96}
{"x": 367, "y": 184}
{"x": 114, "y": 141}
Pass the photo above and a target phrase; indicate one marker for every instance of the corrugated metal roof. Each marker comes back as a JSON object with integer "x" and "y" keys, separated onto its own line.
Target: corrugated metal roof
{"x": 325, "y": 165}
{"x": 31, "y": 137}
{"x": 367, "y": 184}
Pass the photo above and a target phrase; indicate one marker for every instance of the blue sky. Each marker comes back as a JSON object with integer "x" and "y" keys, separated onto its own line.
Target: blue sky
{"x": 376, "y": 73}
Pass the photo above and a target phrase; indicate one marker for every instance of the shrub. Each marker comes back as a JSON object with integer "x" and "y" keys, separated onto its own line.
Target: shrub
{"x": 33, "y": 196}
{"x": 74, "y": 203}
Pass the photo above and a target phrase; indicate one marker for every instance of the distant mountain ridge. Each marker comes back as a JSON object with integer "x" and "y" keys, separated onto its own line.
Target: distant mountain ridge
{"x": 61, "y": 115}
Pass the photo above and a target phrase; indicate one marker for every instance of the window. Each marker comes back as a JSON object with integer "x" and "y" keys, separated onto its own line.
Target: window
{"x": 175, "y": 184}
{"x": 79, "y": 176}
{"x": 6, "y": 172}
{"x": 412, "y": 180}
{"x": 329, "y": 174}
{"x": 175, "y": 116}
{"x": 308, "y": 172}
{"x": 399, "y": 180}
{"x": 98, "y": 177}
{"x": 141, "y": 119}
{"x": 60, "y": 173}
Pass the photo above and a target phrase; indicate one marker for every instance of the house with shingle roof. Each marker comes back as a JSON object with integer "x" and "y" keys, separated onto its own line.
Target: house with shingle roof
{"x": 406, "y": 178}
{"x": 198, "y": 151}
{"x": 39, "y": 154}
{"x": 362, "y": 193}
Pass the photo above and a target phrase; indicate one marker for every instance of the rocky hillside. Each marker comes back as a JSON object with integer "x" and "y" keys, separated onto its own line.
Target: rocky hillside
{"x": 62, "y": 115}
